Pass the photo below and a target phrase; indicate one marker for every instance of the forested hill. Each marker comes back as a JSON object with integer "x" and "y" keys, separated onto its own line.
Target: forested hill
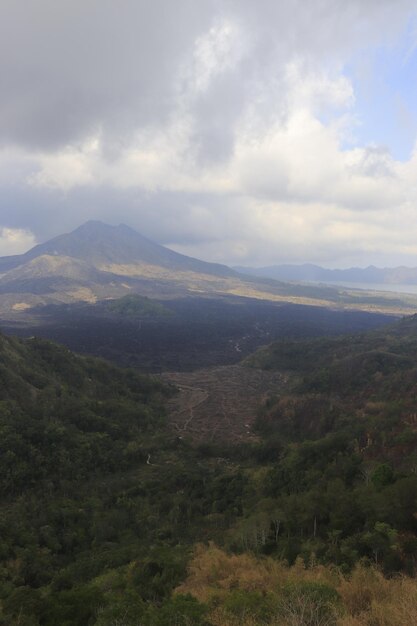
{"x": 368, "y": 362}
{"x": 365, "y": 384}
{"x": 102, "y": 502}
{"x": 65, "y": 417}
{"x": 343, "y": 439}
{"x": 92, "y": 483}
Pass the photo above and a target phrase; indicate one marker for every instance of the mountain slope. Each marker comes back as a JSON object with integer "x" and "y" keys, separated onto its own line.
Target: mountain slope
{"x": 56, "y": 407}
{"x": 48, "y": 265}
{"x": 97, "y": 262}
{"x": 101, "y": 245}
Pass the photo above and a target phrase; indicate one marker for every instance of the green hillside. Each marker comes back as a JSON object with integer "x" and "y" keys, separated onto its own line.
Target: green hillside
{"x": 343, "y": 442}
{"x": 67, "y": 418}
{"x": 102, "y": 503}
{"x": 134, "y": 305}
{"x": 97, "y": 496}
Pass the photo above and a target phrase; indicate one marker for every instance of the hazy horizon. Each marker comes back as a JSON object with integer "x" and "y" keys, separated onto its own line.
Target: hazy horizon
{"x": 299, "y": 264}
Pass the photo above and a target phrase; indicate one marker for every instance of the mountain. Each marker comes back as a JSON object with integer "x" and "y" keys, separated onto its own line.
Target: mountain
{"x": 97, "y": 262}
{"x": 108, "y": 247}
{"x": 314, "y": 273}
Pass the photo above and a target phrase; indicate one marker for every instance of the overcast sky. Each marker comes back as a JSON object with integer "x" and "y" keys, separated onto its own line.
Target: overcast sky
{"x": 240, "y": 131}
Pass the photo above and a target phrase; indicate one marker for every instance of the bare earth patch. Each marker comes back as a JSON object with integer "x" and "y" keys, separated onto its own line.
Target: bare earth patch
{"x": 220, "y": 403}
{"x": 21, "y": 306}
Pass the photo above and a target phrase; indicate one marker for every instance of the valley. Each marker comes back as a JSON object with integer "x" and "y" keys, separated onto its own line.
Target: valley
{"x": 155, "y": 421}
{"x": 208, "y": 313}
{"x": 184, "y": 333}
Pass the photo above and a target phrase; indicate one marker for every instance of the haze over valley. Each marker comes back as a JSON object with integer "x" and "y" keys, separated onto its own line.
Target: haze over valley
{"x": 208, "y": 313}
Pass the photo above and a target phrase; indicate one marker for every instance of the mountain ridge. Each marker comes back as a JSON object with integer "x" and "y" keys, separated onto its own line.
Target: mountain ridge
{"x": 97, "y": 261}
{"x": 314, "y": 273}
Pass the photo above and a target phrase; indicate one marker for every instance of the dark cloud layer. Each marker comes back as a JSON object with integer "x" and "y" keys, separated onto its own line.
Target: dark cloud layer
{"x": 70, "y": 67}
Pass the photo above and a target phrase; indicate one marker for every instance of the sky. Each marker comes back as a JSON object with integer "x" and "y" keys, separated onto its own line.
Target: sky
{"x": 241, "y": 132}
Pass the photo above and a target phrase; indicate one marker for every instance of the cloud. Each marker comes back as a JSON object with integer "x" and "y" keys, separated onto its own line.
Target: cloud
{"x": 15, "y": 241}
{"x": 226, "y": 130}
{"x": 71, "y": 68}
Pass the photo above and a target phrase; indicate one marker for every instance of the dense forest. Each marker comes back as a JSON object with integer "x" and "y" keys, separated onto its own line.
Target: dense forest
{"x": 103, "y": 504}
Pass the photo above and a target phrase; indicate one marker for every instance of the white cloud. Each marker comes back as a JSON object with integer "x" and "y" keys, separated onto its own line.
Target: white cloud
{"x": 215, "y": 52}
{"x": 73, "y": 166}
{"x": 15, "y": 241}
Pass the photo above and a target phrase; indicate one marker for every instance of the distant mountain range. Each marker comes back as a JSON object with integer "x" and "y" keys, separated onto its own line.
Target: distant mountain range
{"x": 100, "y": 262}
{"x": 315, "y": 273}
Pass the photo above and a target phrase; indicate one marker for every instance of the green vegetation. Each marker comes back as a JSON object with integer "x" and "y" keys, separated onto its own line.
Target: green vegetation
{"x": 342, "y": 484}
{"x": 134, "y": 305}
{"x": 102, "y": 503}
